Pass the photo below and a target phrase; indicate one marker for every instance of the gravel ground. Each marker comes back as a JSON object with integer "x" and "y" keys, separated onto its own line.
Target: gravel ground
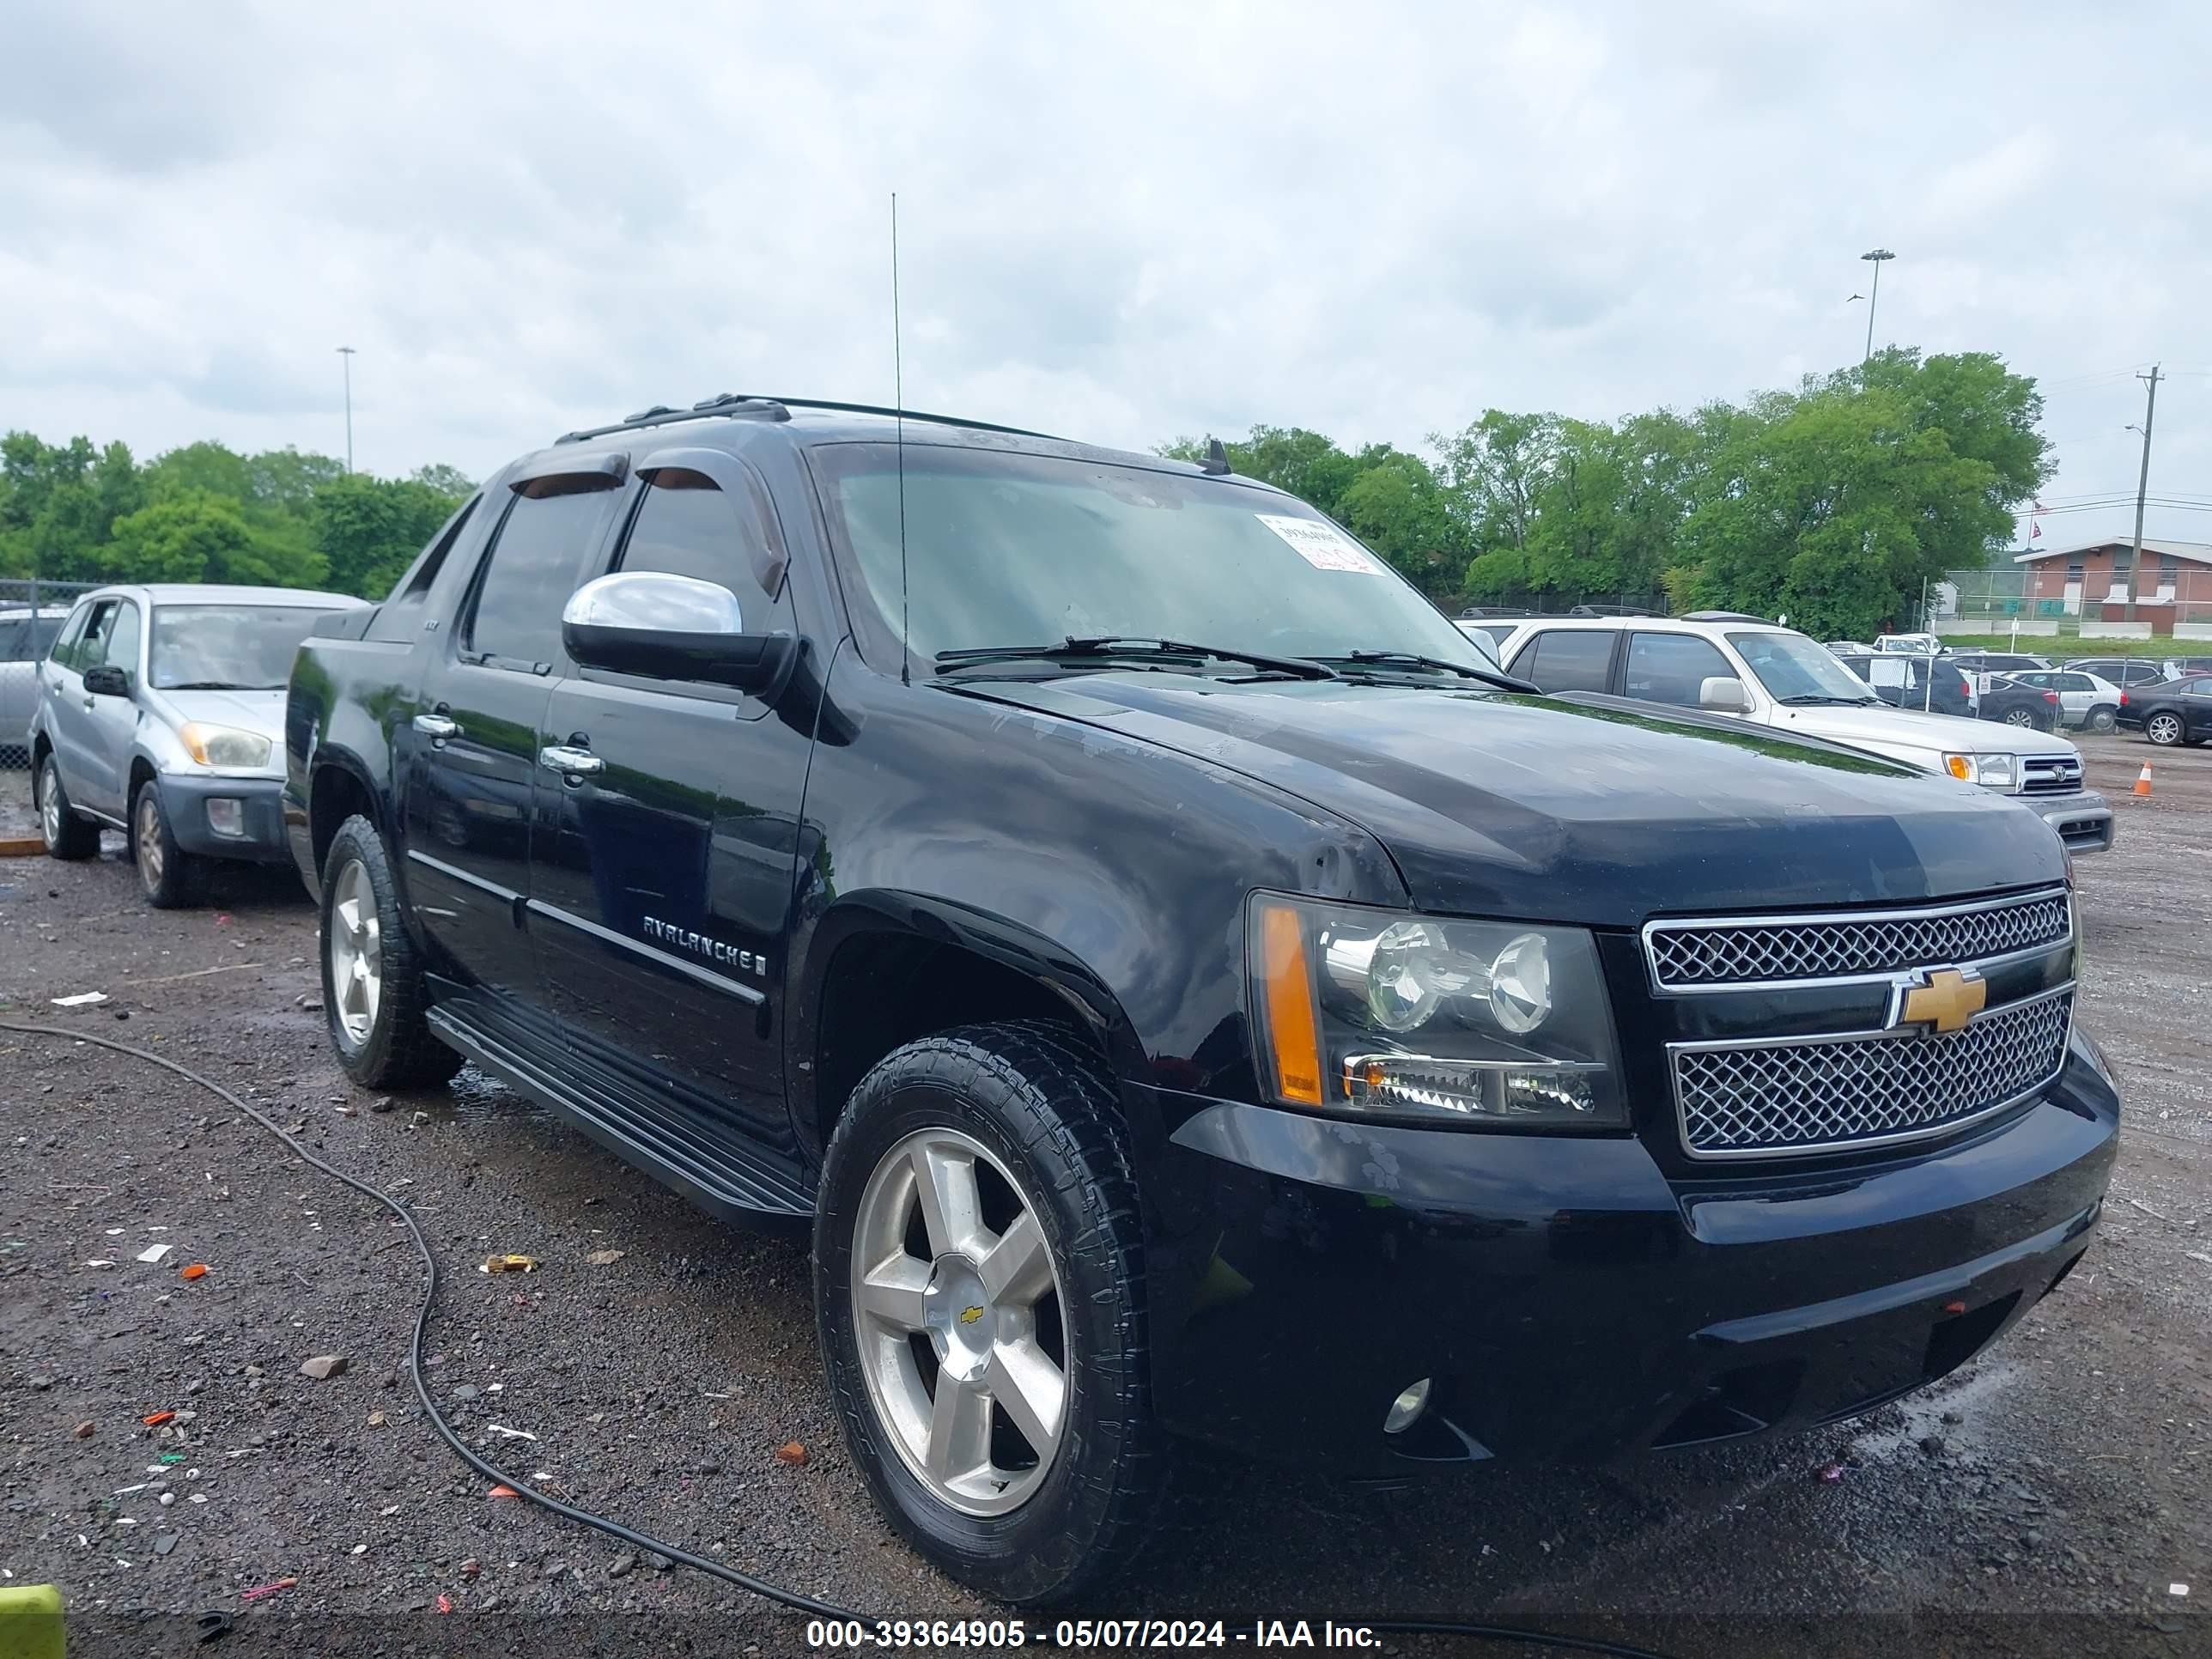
{"x": 2042, "y": 1501}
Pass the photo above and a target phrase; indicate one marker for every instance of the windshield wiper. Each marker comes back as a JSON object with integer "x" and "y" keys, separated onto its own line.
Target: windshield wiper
{"x": 1118, "y": 646}
{"x": 1805, "y": 699}
{"x": 218, "y": 685}
{"x": 1503, "y": 681}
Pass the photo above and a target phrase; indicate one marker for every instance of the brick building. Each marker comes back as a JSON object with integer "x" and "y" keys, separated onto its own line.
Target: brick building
{"x": 2091, "y": 582}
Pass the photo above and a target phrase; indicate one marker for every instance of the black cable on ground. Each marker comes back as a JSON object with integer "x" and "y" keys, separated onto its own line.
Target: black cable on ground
{"x": 794, "y": 1599}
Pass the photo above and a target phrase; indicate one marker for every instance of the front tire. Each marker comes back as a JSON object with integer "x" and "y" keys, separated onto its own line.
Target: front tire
{"x": 169, "y": 876}
{"x": 67, "y": 836}
{"x": 374, "y": 997}
{"x": 2163, "y": 730}
{"x": 979, "y": 1291}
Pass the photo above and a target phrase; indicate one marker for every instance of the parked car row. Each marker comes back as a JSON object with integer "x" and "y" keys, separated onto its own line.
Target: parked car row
{"x": 1125, "y": 925}
{"x": 1779, "y": 679}
{"x": 159, "y": 711}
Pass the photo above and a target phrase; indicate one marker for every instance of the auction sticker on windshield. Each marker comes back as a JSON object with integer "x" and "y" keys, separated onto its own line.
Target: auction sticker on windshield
{"x": 1318, "y": 544}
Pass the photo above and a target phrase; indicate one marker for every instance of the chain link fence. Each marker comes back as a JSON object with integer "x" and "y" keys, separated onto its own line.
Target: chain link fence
{"x": 31, "y": 613}
{"x": 2054, "y": 604}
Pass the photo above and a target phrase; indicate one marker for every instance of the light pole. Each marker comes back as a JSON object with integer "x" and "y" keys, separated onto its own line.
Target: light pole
{"x": 1878, "y": 258}
{"x": 346, "y": 352}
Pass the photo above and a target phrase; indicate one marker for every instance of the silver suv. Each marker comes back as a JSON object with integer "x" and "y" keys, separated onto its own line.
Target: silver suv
{"x": 1740, "y": 665}
{"x": 159, "y": 711}
{"x": 26, "y": 636}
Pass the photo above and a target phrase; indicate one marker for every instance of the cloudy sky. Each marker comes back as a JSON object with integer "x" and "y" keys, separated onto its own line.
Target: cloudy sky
{"x": 1122, "y": 222}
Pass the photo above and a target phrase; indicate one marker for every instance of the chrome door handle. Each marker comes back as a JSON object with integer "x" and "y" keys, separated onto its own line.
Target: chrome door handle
{"x": 570, "y": 762}
{"x": 437, "y": 725}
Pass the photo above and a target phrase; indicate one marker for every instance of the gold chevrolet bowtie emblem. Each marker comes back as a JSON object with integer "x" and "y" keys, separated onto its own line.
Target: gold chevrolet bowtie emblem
{"x": 1947, "y": 1001}
{"x": 969, "y": 1316}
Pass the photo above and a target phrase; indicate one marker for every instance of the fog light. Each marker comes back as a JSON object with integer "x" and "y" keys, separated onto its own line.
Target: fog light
{"x": 1406, "y": 1410}
{"x": 226, "y": 815}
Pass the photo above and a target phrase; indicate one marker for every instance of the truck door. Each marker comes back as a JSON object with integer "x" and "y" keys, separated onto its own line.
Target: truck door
{"x": 471, "y": 768}
{"x": 662, "y": 878}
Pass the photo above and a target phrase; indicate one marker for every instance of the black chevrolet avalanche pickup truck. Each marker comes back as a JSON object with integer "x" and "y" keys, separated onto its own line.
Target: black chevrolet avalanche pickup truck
{"x": 1186, "y": 990}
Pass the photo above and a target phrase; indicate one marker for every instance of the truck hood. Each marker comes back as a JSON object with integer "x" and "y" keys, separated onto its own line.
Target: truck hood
{"x": 1527, "y": 807}
{"x": 1904, "y": 733}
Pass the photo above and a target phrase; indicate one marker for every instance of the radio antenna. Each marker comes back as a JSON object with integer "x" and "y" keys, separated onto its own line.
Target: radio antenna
{"x": 898, "y": 430}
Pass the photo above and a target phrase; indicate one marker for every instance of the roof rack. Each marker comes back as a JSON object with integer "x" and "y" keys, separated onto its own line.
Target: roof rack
{"x": 759, "y": 407}
{"x": 1719, "y": 616}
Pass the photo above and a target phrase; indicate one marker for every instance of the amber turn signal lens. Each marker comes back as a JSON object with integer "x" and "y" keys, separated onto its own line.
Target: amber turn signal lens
{"x": 1290, "y": 1034}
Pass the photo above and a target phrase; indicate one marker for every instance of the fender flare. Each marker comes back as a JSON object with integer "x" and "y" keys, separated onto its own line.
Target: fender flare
{"x": 1011, "y": 944}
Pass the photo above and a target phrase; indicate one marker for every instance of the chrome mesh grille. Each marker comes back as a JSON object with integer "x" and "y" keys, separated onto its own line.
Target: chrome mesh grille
{"x": 1806, "y": 1096}
{"x": 1756, "y": 952}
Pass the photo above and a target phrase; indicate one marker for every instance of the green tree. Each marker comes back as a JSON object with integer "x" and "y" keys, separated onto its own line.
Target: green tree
{"x": 369, "y": 530}
{"x": 1394, "y": 504}
{"x": 1834, "y": 512}
{"x": 192, "y": 536}
{"x": 286, "y": 480}
{"x": 1494, "y": 472}
{"x": 448, "y": 481}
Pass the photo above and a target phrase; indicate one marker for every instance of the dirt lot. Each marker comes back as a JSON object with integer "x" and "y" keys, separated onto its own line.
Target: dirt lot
{"x": 2043, "y": 1501}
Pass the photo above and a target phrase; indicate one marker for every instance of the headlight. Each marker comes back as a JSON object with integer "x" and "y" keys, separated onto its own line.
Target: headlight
{"x": 1991, "y": 771}
{"x": 223, "y": 745}
{"x": 1378, "y": 1013}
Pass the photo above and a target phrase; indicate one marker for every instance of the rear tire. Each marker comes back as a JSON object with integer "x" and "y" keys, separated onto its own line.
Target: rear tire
{"x": 2022, "y": 717}
{"x": 375, "y": 996}
{"x": 169, "y": 876}
{"x": 2163, "y": 730}
{"x": 66, "y": 835}
{"x": 1030, "y": 1116}
{"x": 2103, "y": 717}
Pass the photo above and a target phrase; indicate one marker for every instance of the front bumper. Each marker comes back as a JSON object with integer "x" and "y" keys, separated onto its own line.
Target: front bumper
{"x": 185, "y": 796}
{"x": 1569, "y": 1300}
{"x": 2083, "y": 820}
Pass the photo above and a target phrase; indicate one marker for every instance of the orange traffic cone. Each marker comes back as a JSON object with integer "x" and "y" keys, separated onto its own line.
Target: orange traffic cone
{"x": 2143, "y": 783}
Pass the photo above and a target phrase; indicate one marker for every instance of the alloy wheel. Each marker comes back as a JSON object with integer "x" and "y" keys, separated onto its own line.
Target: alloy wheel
{"x": 148, "y": 841}
{"x": 2019, "y": 717}
{"x": 957, "y": 1306}
{"x": 355, "y": 942}
{"x": 49, "y": 804}
{"x": 2163, "y": 729}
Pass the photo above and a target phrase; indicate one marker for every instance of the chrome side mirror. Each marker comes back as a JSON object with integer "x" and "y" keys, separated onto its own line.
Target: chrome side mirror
{"x": 655, "y": 601}
{"x": 1723, "y": 694}
{"x": 663, "y": 627}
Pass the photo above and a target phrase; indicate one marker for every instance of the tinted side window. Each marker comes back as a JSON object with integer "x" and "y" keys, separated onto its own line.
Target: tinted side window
{"x": 534, "y": 564}
{"x": 64, "y": 653}
{"x": 14, "y": 636}
{"x": 92, "y": 647}
{"x": 123, "y": 639}
{"x": 1672, "y": 667}
{"x": 689, "y": 525}
{"x": 1568, "y": 660}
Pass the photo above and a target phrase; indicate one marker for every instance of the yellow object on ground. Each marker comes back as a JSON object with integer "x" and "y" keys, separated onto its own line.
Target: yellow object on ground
{"x": 30, "y": 1622}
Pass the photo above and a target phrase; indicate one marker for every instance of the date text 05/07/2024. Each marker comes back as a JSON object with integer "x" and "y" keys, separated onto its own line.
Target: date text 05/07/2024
{"x": 934, "y": 1635}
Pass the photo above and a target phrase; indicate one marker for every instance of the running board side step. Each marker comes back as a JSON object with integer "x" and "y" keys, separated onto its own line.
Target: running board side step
{"x": 708, "y": 1167}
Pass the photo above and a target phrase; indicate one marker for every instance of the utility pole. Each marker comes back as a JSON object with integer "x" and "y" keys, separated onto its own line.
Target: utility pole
{"x": 346, "y": 352}
{"x": 1878, "y": 258}
{"x": 2143, "y": 487}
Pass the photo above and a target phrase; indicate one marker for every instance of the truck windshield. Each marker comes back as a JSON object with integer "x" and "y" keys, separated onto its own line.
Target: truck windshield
{"x": 1793, "y": 669}
{"x": 226, "y": 647}
{"x": 1010, "y": 550}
